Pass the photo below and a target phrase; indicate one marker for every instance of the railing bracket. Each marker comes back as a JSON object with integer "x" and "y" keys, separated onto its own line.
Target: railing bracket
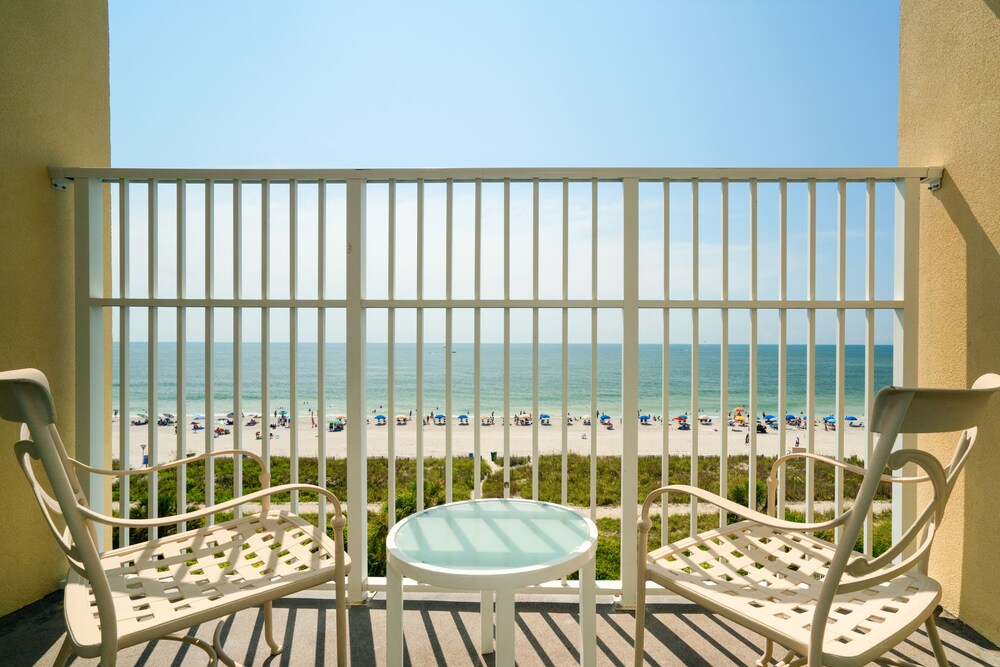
{"x": 933, "y": 178}
{"x": 61, "y": 184}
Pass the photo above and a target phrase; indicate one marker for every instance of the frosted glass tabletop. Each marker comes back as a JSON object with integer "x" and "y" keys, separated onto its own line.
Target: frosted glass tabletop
{"x": 494, "y": 534}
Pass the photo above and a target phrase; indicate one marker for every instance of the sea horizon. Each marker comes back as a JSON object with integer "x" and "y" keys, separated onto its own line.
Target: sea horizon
{"x": 550, "y": 389}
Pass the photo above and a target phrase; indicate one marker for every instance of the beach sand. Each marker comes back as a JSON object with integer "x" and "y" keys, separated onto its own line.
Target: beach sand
{"x": 609, "y": 443}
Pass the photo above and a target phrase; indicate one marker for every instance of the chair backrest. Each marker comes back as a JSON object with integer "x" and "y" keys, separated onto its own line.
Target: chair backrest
{"x": 25, "y": 398}
{"x": 899, "y": 410}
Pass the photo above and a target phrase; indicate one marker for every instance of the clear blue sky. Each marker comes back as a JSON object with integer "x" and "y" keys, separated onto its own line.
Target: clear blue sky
{"x": 460, "y": 84}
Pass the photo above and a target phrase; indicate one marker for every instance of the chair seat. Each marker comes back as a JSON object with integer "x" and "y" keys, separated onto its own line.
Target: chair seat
{"x": 172, "y": 583}
{"x": 768, "y": 580}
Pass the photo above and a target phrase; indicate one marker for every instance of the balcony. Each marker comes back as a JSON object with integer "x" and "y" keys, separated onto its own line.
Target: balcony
{"x": 315, "y": 299}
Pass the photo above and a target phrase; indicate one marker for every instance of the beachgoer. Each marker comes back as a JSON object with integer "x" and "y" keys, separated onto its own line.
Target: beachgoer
{"x": 747, "y": 441}
{"x": 796, "y": 442}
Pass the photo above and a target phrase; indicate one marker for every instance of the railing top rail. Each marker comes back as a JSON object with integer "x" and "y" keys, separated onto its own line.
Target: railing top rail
{"x": 500, "y": 174}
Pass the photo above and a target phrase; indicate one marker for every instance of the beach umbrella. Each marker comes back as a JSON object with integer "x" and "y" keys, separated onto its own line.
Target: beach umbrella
{"x": 851, "y": 418}
{"x": 604, "y": 416}
{"x": 680, "y": 418}
{"x": 463, "y": 416}
{"x": 282, "y": 412}
{"x": 789, "y": 416}
{"x": 379, "y": 416}
{"x": 768, "y": 416}
{"x": 337, "y": 421}
{"x": 398, "y": 417}
{"x": 544, "y": 416}
{"x": 439, "y": 417}
{"x": 831, "y": 418}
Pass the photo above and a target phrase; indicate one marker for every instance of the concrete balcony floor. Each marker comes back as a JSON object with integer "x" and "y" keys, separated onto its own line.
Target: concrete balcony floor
{"x": 443, "y": 629}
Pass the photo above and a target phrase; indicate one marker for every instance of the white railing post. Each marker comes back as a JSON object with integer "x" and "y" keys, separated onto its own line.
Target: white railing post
{"x": 89, "y": 279}
{"x": 630, "y": 391}
{"x": 357, "y": 446}
{"x": 904, "y": 330}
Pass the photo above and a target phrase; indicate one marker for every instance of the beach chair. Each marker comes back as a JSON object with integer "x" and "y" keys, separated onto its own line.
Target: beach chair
{"x": 825, "y": 603}
{"x": 159, "y": 589}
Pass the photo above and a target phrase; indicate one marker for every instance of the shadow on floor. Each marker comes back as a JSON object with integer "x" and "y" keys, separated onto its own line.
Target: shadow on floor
{"x": 444, "y": 630}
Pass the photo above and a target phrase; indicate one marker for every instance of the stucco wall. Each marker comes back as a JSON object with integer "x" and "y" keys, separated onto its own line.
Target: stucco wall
{"x": 949, "y": 114}
{"x": 54, "y": 110}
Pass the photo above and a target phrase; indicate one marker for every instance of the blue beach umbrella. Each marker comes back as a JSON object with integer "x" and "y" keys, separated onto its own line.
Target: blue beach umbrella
{"x": 789, "y": 416}
{"x": 543, "y": 416}
{"x": 604, "y": 416}
{"x": 851, "y": 418}
{"x": 379, "y": 416}
{"x": 463, "y": 416}
{"x": 831, "y": 418}
{"x": 439, "y": 417}
{"x": 768, "y": 416}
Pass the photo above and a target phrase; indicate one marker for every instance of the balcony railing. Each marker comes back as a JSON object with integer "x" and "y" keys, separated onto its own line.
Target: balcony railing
{"x": 324, "y": 256}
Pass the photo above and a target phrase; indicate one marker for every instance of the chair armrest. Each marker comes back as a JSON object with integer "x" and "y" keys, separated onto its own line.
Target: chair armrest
{"x": 772, "y": 478}
{"x": 337, "y": 521}
{"x": 735, "y": 508}
{"x": 170, "y": 464}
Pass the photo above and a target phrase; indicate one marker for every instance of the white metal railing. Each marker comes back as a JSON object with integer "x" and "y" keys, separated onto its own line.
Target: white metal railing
{"x": 351, "y": 189}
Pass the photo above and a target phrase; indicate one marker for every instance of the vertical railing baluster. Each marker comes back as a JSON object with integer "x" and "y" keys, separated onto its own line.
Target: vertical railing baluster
{"x": 477, "y": 325}
{"x": 534, "y": 342}
{"x": 782, "y": 337}
{"x": 153, "y": 506}
{"x": 593, "y": 349}
{"x": 390, "y": 355}
{"x": 838, "y": 507}
{"x": 181, "y": 350}
{"x": 506, "y": 339}
{"x": 724, "y": 356}
{"x": 565, "y": 341}
{"x": 420, "y": 345}
{"x": 209, "y": 339}
{"x": 293, "y": 342}
{"x": 124, "y": 343}
{"x": 904, "y": 334}
{"x": 321, "y": 353}
{"x": 630, "y": 388}
{"x": 693, "y": 467}
{"x": 811, "y": 353}
{"x": 665, "y": 417}
{"x": 265, "y": 323}
{"x": 448, "y": 345}
{"x": 869, "y": 340}
{"x": 237, "y": 341}
{"x": 357, "y": 441}
{"x": 752, "y": 421}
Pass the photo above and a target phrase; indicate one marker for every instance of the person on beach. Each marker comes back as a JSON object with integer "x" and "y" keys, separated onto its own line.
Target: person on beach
{"x": 747, "y": 441}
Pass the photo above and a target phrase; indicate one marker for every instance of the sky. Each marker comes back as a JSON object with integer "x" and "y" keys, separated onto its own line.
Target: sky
{"x": 514, "y": 84}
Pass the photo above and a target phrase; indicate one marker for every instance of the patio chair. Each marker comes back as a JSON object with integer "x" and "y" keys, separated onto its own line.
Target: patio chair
{"x": 825, "y": 603}
{"x": 160, "y": 588}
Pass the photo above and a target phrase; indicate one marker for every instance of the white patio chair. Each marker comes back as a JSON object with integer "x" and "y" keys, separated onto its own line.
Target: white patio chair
{"x": 825, "y": 603}
{"x": 160, "y": 588}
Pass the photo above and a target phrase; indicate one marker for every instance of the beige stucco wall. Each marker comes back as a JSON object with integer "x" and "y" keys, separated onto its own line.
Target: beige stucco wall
{"x": 54, "y": 110}
{"x": 949, "y": 114}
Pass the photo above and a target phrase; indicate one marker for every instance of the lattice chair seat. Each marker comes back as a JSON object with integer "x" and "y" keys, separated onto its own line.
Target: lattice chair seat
{"x": 825, "y": 603}
{"x": 771, "y": 579}
{"x": 157, "y": 589}
{"x": 182, "y": 580}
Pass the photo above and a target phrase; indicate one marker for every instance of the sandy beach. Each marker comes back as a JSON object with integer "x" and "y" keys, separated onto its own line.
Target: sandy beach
{"x": 579, "y": 439}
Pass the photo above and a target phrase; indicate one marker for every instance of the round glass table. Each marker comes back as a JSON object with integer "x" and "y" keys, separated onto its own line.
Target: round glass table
{"x": 492, "y": 546}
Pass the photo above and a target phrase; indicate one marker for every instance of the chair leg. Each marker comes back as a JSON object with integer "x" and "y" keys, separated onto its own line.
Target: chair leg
{"x": 932, "y": 634}
{"x": 65, "y": 651}
{"x": 640, "y": 616}
{"x": 269, "y": 630}
{"x": 765, "y": 659}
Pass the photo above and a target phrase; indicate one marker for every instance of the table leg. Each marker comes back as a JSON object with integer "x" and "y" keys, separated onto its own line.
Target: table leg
{"x": 588, "y": 614}
{"x": 486, "y": 622}
{"x": 505, "y": 628}
{"x": 394, "y": 618}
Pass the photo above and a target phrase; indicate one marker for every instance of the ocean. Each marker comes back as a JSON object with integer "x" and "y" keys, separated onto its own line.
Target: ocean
{"x": 492, "y": 386}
